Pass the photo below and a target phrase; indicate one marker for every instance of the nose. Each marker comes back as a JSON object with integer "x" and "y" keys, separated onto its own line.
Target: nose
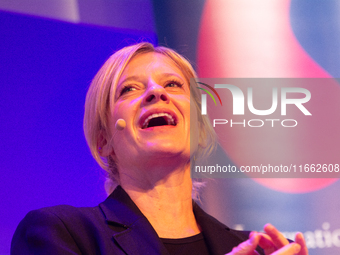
{"x": 156, "y": 93}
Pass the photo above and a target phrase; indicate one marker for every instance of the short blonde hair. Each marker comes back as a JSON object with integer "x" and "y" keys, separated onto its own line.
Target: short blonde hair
{"x": 99, "y": 101}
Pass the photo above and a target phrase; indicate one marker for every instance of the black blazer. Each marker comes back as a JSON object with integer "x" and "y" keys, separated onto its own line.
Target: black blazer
{"x": 116, "y": 226}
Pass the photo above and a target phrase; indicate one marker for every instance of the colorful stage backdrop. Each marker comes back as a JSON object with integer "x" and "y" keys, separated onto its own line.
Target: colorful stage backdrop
{"x": 47, "y": 64}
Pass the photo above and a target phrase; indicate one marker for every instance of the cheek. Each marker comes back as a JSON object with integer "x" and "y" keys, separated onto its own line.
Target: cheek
{"x": 126, "y": 110}
{"x": 183, "y": 103}
{"x": 123, "y": 139}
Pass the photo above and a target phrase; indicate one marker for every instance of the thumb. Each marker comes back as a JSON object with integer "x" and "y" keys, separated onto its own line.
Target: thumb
{"x": 247, "y": 247}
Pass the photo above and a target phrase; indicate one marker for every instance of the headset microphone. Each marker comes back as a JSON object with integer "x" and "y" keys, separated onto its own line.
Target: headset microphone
{"x": 120, "y": 124}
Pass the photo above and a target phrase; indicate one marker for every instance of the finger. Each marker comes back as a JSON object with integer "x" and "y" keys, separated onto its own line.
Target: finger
{"x": 299, "y": 239}
{"x": 277, "y": 238}
{"x": 289, "y": 249}
{"x": 247, "y": 247}
{"x": 266, "y": 243}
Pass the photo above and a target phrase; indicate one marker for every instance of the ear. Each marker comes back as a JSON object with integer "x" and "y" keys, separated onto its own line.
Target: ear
{"x": 104, "y": 147}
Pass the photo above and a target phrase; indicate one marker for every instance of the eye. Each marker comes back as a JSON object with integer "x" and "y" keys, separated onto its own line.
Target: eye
{"x": 174, "y": 84}
{"x": 126, "y": 89}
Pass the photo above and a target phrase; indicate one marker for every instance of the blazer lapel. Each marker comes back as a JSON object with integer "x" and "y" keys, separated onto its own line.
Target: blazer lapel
{"x": 216, "y": 235}
{"x": 131, "y": 229}
{"x": 219, "y": 238}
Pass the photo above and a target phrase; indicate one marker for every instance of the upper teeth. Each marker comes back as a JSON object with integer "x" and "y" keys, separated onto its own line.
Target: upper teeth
{"x": 169, "y": 118}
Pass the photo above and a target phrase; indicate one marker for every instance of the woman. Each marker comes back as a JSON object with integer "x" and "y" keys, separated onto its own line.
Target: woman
{"x": 137, "y": 125}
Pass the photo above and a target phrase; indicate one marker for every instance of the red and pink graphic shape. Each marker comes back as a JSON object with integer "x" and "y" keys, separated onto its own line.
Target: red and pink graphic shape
{"x": 247, "y": 39}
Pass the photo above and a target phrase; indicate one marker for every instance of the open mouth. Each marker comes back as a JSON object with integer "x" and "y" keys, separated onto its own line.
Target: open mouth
{"x": 158, "y": 119}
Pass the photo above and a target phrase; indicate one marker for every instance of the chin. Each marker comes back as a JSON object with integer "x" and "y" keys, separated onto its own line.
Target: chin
{"x": 163, "y": 151}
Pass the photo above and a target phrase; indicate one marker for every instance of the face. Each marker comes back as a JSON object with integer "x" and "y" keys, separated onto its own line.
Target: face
{"x": 153, "y": 97}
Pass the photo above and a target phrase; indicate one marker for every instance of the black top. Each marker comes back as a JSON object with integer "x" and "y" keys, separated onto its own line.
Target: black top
{"x": 186, "y": 246}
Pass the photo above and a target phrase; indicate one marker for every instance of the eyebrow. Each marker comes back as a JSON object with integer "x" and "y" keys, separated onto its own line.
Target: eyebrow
{"x": 135, "y": 77}
{"x": 172, "y": 74}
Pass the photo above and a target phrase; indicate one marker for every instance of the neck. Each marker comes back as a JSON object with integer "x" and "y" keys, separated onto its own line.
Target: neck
{"x": 166, "y": 202}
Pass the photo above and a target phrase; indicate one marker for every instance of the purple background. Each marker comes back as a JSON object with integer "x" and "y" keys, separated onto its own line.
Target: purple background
{"x": 46, "y": 66}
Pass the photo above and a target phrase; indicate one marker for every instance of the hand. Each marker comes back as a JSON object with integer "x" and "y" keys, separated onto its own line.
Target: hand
{"x": 247, "y": 247}
{"x": 272, "y": 242}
